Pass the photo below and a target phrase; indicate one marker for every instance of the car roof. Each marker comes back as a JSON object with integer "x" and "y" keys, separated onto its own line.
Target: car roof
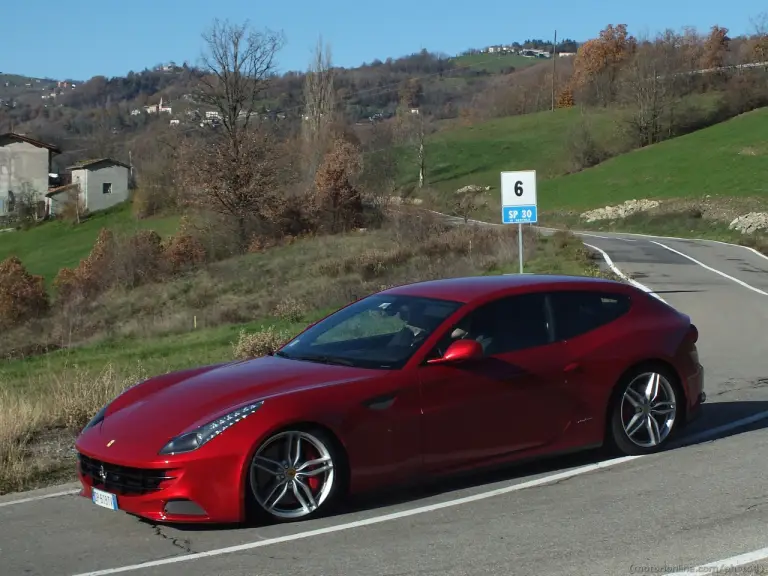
{"x": 468, "y": 289}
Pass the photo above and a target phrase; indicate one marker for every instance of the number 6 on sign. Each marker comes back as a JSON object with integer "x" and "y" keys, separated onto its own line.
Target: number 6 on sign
{"x": 518, "y": 197}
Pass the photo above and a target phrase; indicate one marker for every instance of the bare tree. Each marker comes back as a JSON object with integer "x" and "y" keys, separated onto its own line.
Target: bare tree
{"x": 238, "y": 66}
{"x": 101, "y": 143}
{"x": 646, "y": 90}
{"x": 758, "y": 43}
{"x": 71, "y": 206}
{"x": 413, "y": 127}
{"x": 380, "y": 172}
{"x": 236, "y": 171}
{"x": 467, "y": 201}
{"x": 319, "y": 107}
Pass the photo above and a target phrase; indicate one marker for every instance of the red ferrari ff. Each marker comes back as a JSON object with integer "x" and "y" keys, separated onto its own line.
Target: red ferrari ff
{"x": 416, "y": 381}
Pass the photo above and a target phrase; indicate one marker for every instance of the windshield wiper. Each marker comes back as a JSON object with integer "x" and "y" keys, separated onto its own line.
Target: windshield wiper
{"x": 322, "y": 359}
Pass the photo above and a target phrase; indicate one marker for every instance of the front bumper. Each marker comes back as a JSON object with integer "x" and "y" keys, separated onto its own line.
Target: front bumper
{"x": 206, "y": 490}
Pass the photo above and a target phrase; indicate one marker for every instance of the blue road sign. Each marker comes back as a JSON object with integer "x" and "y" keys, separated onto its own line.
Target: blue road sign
{"x": 519, "y": 214}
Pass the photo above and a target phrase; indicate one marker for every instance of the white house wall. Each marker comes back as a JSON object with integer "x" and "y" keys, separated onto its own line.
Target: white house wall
{"x": 22, "y": 166}
{"x": 92, "y": 181}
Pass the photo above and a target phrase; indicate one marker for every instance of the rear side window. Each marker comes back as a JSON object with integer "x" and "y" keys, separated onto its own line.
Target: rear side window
{"x": 578, "y": 312}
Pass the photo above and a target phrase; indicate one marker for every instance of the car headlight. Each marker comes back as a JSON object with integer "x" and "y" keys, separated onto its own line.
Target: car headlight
{"x": 190, "y": 441}
{"x": 97, "y": 419}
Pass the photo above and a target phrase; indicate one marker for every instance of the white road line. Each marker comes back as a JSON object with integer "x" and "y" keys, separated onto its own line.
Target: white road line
{"x": 621, "y": 274}
{"x": 367, "y": 521}
{"x": 577, "y": 232}
{"x": 424, "y": 509}
{"x": 723, "y": 274}
{"x": 598, "y": 236}
{"x": 42, "y": 497}
{"x": 703, "y": 240}
{"x": 726, "y": 565}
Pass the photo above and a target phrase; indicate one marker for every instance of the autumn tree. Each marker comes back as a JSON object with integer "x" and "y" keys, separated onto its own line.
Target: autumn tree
{"x": 598, "y": 63}
{"x": 23, "y": 296}
{"x": 715, "y": 48}
{"x": 714, "y": 54}
{"x": 565, "y": 98}
{"x": 235, "y": 170}
{"x": 319, "y": 107}
{"x": 339, "y": 200}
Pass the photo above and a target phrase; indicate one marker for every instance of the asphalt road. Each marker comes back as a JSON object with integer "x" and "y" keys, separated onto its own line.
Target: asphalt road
{"x": 698, "y": 503}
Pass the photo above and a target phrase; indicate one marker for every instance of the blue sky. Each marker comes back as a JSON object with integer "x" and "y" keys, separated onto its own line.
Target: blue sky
{"x": 83, "y": 38}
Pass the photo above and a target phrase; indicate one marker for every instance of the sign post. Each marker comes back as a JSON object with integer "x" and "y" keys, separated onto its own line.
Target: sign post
{"x": 518, "y": 203}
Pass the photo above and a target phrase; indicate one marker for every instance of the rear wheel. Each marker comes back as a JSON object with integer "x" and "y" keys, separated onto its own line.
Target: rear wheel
{"x": 645, "y": 411}
{"x": 293, "y": 475}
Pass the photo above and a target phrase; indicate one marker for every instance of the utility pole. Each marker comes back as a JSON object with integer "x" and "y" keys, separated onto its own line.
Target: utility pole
{"x": 554, "y": 69}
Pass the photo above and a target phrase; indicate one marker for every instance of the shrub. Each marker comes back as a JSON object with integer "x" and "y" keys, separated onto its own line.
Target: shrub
{"x": 131, "y": 262}
{"x": 183, "y": 252}
{"x": 290, "y": 309}
{"x": 67, "y": 284}
{"x": 22, "y": 295}
{"x": 253, "y": 345}
{"x": 338, "y": 198}
{"x": 140, "y": 260}
{"x": 94, "y": 273}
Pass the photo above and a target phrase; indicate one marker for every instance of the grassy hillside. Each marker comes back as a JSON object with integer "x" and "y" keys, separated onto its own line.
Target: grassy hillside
{"x": 542, "y": 141}
{"x": 476, "y": 154}
{"x": 728, "y": 159}
{"x": 54, "y": 245}
{"x": 495, "y": 63}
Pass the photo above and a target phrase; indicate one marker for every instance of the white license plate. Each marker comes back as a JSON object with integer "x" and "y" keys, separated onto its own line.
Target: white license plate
{"x": 104, "y": 499}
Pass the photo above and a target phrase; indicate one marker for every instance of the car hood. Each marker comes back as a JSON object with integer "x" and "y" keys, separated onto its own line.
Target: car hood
{"x": 148, "y": 415}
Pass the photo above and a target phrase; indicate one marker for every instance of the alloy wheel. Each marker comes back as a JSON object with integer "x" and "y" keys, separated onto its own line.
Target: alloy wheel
{"x": 648, "y": 409}
{"x": 292, "y": 474}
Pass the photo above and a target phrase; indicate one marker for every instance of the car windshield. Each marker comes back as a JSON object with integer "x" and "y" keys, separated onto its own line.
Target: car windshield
{"x": 381, "y": 332}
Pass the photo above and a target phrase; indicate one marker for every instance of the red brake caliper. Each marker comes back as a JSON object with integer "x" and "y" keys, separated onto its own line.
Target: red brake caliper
{"x": 313, "y": 481}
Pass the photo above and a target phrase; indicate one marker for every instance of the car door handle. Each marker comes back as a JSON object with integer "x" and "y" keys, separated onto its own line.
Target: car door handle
{"x": 381, "y": 402}
{"x": 572, "y": 368}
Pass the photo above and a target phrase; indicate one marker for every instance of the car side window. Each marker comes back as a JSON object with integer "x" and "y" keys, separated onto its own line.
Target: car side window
{"x": 505, "y": 325}
{"x": 579, "y": 312}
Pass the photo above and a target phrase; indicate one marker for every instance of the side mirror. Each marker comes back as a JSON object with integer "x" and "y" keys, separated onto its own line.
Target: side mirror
{"x": 460, "y": 351}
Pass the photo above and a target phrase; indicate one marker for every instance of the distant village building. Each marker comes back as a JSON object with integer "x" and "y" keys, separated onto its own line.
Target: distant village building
{"x": 158, "y": 108}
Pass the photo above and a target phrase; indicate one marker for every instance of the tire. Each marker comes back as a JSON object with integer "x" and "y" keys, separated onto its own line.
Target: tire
{"x": 631, "y": 413}
{"x": 307, "y": 486}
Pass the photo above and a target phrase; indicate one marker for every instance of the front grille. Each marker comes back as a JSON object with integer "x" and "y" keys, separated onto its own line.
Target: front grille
{"x": 122, "y": 479}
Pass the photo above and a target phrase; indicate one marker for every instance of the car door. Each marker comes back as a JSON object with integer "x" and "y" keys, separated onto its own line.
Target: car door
{"x": 594, "y": 355}
{"x": 507, "y": 402}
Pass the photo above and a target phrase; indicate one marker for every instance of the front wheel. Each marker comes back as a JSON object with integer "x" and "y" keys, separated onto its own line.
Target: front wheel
{"x": 293, "y": 475}
{"x": 645, "y": 412}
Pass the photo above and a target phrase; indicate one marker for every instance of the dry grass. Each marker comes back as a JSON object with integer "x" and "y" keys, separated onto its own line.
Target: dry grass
{"x": 284, "y": 282}
{"x": 37, "y": 429}
{"x": 255, "y": 344}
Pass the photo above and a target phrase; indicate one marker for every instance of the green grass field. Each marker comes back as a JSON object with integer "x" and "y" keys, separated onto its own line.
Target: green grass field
{"x": 728, "y": 159}
{"x": 496, "y": 63}
{"x": 51, "y": 246}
